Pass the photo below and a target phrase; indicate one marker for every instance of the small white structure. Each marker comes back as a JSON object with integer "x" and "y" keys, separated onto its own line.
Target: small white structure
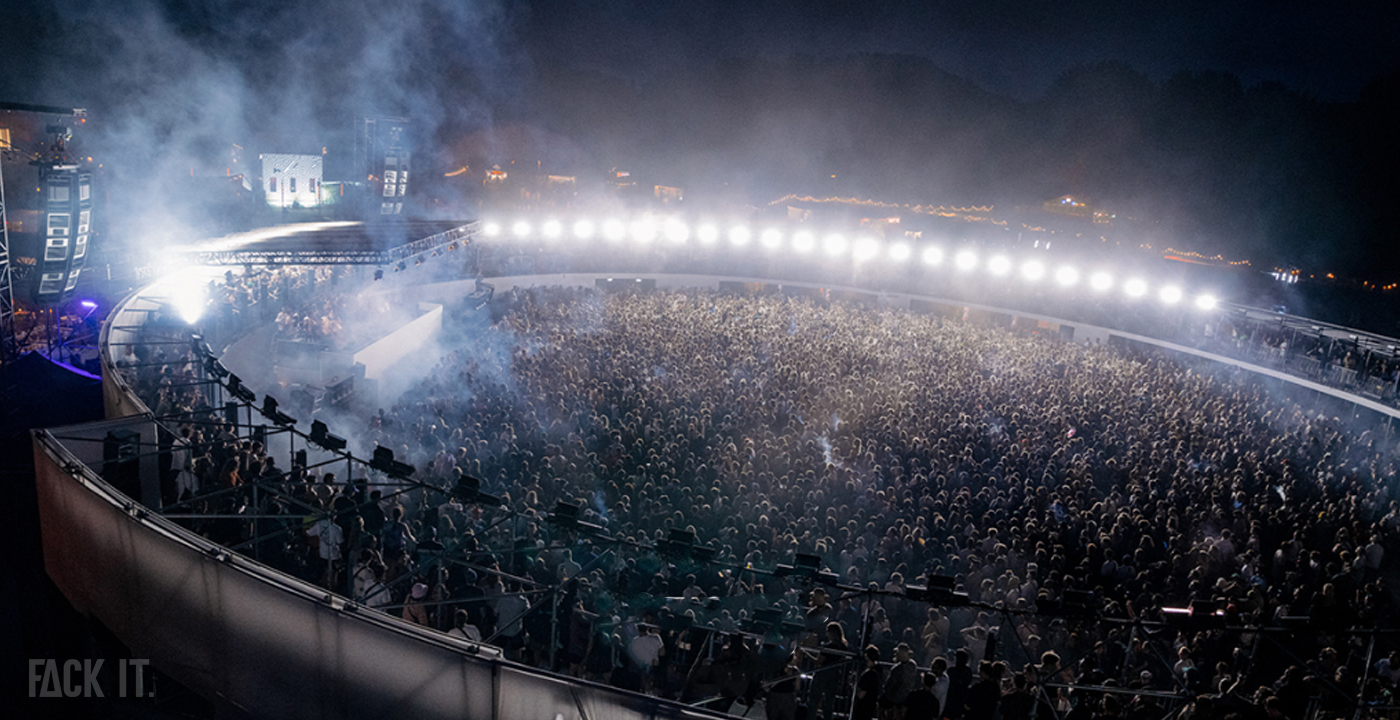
{"x": 291, "y": 181}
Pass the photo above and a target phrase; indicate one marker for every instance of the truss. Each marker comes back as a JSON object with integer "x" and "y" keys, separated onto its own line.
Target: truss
{"x": 338, "y": 256}
{"x": 8, "y": 346}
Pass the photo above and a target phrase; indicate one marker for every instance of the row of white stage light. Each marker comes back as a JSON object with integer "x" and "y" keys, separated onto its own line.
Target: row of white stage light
{"x": 862, "y": 249}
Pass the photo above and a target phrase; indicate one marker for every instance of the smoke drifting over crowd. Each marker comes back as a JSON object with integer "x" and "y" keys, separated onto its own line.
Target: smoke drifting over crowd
{"x": 172, "y": 87}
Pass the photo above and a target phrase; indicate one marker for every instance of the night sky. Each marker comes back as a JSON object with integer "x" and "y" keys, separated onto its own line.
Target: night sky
{"x": 1011, "y": 47}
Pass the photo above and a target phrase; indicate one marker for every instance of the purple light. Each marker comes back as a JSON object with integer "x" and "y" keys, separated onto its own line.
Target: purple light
{"x": 88, "y": 304}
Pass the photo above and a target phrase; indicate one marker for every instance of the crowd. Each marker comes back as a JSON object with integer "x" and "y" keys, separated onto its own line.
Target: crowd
{"x": 901, "y": 450}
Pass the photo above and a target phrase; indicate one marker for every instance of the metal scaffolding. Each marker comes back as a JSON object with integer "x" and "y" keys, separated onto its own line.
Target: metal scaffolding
{"x": 8, "y": 345}
{"x": 461, "y": 235}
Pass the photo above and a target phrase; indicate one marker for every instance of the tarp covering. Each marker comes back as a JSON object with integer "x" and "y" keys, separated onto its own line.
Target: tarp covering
{"x": 36, "y": 392}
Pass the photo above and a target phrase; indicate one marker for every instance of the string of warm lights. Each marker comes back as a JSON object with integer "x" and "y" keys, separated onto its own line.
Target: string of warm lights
{"x": 946, "y": 211}
{"x": 648, "y": 230}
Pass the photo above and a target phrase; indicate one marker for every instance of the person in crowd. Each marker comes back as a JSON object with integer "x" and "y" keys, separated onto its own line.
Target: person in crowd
{"x": 646, "y": 651}
{"x": 463, "y": 628}
{"x": 414, "y": 608}
{"x": 782, "y": 692}
{"x": 985, "y": 694}
{"x": 959, "y": 680}
{"x": 901, "y": 680}
{"x": 922, "y": 704}
{"x": 328, "y": 539}
{"x": 833, "y": 663}
{"x": 868, "y": 686}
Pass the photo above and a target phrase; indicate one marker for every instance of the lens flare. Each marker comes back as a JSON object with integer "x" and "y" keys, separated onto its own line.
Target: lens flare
{"x": 643, "y": 230}
{"x": 676, "y": 231}
{"x": 865, "y": 249}
{"x": 614, "y": 230}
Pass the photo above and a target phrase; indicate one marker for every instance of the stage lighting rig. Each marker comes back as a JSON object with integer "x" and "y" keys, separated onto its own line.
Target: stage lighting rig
{"x": 940, "y": 590}
{"x": 468, "y": 490}
{"x": 239, "y": 390}
{"x": 770, "y": 619}
{"x": 216, "y": 368}
{"x": 808, "y": 567}
{"x": 200, "y": 347}
{"x": 566, "y": 515}
{"x": 1072, "y": 604}
{"x": 678, "y": 543}
{"x": 384, "y": 462}
{"x": 270, "y": 411}
{"x": 321, "y": 435}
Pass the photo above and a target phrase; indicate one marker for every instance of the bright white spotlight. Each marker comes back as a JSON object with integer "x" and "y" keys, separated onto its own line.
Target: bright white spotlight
{"x": 614, "y": 230}
{"x": 643, "y": 230}
{"x": 900, "y": 251}
{"x": 1206, "y": 302}
{"x": 865, "y": 248}
{"x": 739, "y": 235}
{"x": 1135, "y": 288}
{"x": 1101, "y": 281}
{"x": 188, "y": 295}
{"x": 834, "y": 245}
{"x": 771, "y": 239}
{"x": 1066, "y": 276}
{"x": 965, "y": 260}
{"x": 492, "y": 229}
{"x": 676, "y": 230}
{"x": 999, "y": 265}
{"x": 1033, "y": 270}
{"x": 520, "y": 228}
{"x": 707, "y": 233}
{"x": 803, "y": 241}
{"x": 584, "y": 229}
{"x": 552, "y": 229}
{"x": 933, "y": 256}
{"x": 1170, "y": 295}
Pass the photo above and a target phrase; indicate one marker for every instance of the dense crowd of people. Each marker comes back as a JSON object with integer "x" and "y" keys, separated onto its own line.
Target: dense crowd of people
{"x": 1072, "y": 492}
